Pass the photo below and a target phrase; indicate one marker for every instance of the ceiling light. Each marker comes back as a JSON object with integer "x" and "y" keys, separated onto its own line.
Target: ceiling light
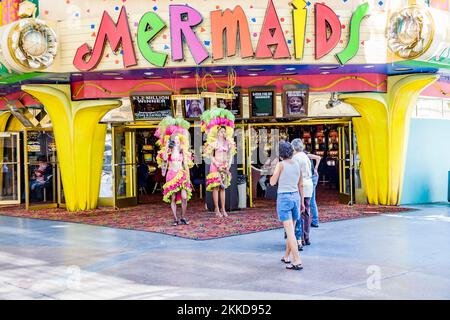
{"x": 149, "y": 73}
{"x": 252, "y": 74}
{"x": 217, "y": 71}
{"x": 369, "y": 67}
{"x": 325, "y": 72}
{"x": 290, "y": 69}
{"x": 288, "y": 73}
{"x": 328, "y": 67}
{"x": 153, "y": 77}
{"x": 334, "y": 101}
{"x": 403, "y": 69}
{"x": 181, "y": 72}
{"x": 255, "y": 69}
{"x": 111, "y": 74}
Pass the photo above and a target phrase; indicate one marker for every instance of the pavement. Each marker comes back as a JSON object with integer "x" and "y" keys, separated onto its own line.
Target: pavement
{"x": 390, "y": 256}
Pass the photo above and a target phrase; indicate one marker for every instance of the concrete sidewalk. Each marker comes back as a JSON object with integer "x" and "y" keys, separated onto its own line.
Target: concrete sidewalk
{"x": 401, "y": 256}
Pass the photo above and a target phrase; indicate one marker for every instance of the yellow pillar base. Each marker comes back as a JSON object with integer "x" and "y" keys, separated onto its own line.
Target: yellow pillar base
{"x": 80, "y": 141}
{"x": 382, "y": 133}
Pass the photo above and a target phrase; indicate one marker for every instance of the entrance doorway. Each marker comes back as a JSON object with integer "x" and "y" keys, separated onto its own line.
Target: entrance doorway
{"x": 10, "y": 178}
{"x": 43, "y": 188}
{"x": 124, "y": 167}
{"x": 332, "y": 140}
{"x": 136, "y": 176}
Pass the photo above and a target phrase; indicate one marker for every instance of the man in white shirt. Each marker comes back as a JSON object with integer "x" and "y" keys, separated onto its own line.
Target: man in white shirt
{"x": 303, "y": 225}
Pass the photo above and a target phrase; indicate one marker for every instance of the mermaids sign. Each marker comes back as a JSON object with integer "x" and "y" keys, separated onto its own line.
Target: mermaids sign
{"x": 183, "y": 19}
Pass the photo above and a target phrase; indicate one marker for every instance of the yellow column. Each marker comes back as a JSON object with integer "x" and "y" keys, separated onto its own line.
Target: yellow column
{"x": 4, "y": 117}
{"x": 382, "y": 133}
{"x": 80, "y": 141}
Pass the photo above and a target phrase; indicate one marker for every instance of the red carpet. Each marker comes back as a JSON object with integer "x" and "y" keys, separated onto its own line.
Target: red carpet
{"x": 156, "y": 217}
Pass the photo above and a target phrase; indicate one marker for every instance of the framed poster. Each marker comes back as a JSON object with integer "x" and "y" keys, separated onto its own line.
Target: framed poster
{"x": 262, "y": 102}
{"x": 234, "y": 105}
{"x": 152, "y": 106}
{"x": 295, "y": 101}
{"x": 193, "y": 108}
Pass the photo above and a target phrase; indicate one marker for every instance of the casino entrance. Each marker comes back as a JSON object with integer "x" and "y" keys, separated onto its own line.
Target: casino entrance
{"x": 332, "y": 140}
{"x": 131, "y": 175}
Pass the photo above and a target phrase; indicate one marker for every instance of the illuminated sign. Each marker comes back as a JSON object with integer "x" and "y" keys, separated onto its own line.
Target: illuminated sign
{"x": 227, "y": 27}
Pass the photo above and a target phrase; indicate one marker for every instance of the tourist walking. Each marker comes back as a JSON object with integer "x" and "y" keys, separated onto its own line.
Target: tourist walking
{"x": 303, "y": 225}
{"x": 289, "y": 201}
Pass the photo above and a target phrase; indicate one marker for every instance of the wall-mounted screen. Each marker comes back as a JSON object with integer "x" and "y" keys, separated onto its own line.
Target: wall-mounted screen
{"x": 295, "y": 101}
{"x": 262, "y": 102}
{"x": 193, "y": 108}
{"x": 152, "y": 106}
{"x": 234, "y": 105}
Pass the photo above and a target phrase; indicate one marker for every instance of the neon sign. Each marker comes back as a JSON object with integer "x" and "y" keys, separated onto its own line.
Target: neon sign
{"x": 225, "y": 27}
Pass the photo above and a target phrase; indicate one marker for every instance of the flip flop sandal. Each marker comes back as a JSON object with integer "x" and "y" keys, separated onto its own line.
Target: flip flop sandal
{"x": 175, "y": 223}
{"x": 294, "y": 267}
{"x": 285, "y": 261}
{"x": 184, "y": 221}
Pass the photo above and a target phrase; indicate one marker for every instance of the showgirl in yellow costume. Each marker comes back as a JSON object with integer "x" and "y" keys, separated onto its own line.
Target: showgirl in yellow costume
{"x": 175, "y": 159}
{"x": 220, "y": 148}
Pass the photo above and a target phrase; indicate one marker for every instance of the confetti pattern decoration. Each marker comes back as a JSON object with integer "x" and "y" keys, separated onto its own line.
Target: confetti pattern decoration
{"x": 440, "y": 4}
{"x": 10, "y": 10}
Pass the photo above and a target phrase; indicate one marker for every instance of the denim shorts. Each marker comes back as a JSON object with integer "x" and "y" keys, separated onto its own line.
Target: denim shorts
{"x": 288, "y": 206}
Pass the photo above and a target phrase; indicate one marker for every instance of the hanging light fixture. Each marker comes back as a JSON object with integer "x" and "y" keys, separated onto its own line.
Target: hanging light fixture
{"x": 334, "y": 101}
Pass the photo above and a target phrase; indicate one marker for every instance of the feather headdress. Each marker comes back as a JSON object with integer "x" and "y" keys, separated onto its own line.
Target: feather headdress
{"x": 168, "y": 127}
{"x": 211, "y": 122}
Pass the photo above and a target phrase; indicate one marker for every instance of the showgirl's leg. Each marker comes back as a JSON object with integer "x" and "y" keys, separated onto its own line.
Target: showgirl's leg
{"x": 216, "y": 202}
{"x": 173, "y": 205}
{"x": 222, "y": 200}
{"x": 183, "y": 203}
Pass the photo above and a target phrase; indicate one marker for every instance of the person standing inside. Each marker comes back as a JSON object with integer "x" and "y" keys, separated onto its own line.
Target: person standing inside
{"x": 289, "y": 201}
{"x": 303, "y": 225}
{"x": 315, "y": 180}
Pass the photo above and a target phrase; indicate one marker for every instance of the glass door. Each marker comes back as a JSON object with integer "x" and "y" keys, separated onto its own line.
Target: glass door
{"x": 346, "y": 164}
{"x": 42, "y": 186}
{"x": 124, "y": 167}
{"x": 10, "y": 164}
